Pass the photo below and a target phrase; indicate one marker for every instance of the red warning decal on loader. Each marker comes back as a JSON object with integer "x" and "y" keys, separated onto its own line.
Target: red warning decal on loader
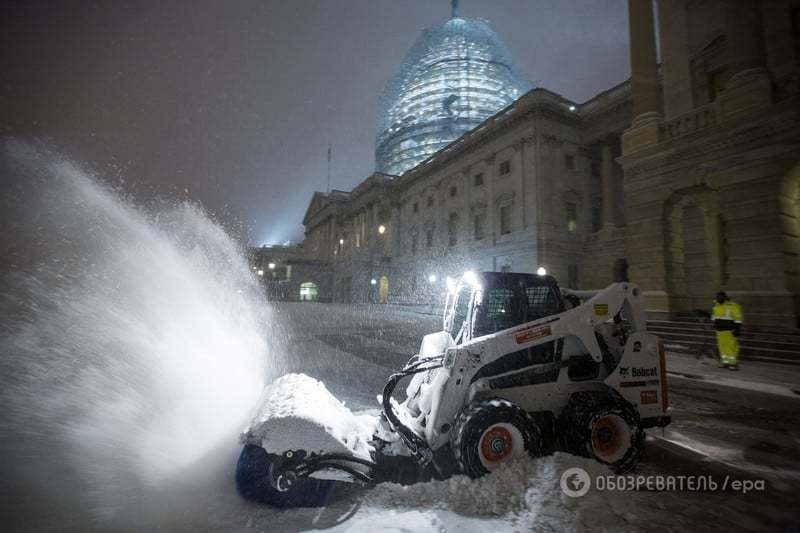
{"x": 649, "y": 396}
{"x": 533, "y": 333}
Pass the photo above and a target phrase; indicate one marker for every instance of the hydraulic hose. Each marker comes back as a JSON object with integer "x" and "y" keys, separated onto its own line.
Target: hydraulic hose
{"x": 418, "y": 446}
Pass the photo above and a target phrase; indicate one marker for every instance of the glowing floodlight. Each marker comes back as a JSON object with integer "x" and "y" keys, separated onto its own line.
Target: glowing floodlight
{"x": 541, "y": 271}
{"x": 572, "y": 108}
{"x": 271, "y": 266}
{"x": 432, "y": 279}
{"x": 472, "y": 278}
{"x": 451, "y": 284}
{"x": 381, "y": 229}
{"x": 260, "y": 273}
{"x": 373, "y": 281}
{"x": 341, "y": 241}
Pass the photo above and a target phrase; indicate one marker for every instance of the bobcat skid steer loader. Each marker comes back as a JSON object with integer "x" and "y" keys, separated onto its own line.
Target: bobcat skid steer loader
{"x": 520, "y": 367}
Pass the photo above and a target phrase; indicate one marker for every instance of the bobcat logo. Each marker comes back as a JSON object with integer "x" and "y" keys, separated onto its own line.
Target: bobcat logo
{"x": 623, "y": 371}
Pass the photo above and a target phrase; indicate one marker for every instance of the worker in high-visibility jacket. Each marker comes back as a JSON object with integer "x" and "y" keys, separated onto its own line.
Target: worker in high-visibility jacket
{"x": 727, "y": 317}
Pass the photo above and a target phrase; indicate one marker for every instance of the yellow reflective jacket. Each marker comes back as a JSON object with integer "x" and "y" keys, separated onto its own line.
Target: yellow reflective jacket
{"x": 726, "y": 315}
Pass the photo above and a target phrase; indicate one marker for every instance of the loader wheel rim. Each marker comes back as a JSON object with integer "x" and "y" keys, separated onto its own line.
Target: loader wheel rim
{"x": 611, "y": 438}
{"x": 498, "y": 444}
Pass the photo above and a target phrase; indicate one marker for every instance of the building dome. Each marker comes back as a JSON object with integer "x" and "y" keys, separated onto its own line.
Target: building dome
{"x": 455, "y": 76}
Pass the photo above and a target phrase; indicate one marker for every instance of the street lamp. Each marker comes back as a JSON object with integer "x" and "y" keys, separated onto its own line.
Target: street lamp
{"x": 271, "y": 266}
{"x": 260, "y": 273}
{"x": 381, "y": 229}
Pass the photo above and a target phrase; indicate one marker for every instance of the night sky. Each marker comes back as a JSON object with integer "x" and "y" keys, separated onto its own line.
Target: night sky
{"x": 233, "y": 103}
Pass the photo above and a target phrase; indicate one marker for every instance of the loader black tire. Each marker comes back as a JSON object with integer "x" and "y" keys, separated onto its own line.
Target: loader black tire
{"x": 491, "y": 432}
{"x": 604, "y": 426}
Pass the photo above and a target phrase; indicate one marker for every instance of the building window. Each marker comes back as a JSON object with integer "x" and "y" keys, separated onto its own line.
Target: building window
{"x": 716, "y": 82}
{"x": 453, "y": 191}
{"x": 594, "y": 168}
{"x": 572, "y": 276}
{"x": 430, "y": 201}
{"x": 415, "y": 207}
{"x": 505, "y": 167}
{"x": 452, "y": 229}
{"x": 477, "y": 180}
{"x": 414, "y": 244}
{"x": 505, "y": 219}
{"x": 597, "y": 221}
{"x": 477, "y": 228}
{"x": 505, "y": 268}
{"x": 429, "y": 239}
{"x": 572, "y": 217}
{"x": 569, "y": 161}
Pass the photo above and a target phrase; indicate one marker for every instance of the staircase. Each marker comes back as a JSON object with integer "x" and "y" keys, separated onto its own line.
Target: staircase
{"x": 692, "y": 335}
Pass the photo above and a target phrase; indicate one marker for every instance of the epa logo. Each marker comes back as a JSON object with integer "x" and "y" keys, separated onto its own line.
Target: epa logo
{"x": 575, "y": 482}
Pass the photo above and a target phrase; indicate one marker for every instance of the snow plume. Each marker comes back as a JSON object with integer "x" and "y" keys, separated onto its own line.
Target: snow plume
{"x": 131, "y": 341}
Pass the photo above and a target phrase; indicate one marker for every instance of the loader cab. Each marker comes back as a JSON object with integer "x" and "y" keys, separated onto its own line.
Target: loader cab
{"x": 482, "y": 303}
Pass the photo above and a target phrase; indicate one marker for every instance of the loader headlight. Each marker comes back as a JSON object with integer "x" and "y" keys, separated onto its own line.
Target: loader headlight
{"x": 472, "y": 278}
{"x": 451, "y": 285}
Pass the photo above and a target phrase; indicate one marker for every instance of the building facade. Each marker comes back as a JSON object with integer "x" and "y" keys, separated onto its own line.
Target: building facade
{"x": 686, "y": 179}
{"x": 534, "y": 186}
{"x": 711, "y": 157}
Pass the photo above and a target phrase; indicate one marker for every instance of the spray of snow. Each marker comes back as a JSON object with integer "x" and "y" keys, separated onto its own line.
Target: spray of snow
{"x": 131, "y": 341}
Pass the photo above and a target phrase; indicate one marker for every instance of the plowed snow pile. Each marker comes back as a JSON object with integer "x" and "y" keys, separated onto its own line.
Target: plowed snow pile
{"x": 297, "y": 411}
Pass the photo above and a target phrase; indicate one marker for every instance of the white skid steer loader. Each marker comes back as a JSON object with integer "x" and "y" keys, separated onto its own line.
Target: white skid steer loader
{"x": 514, "y": 371}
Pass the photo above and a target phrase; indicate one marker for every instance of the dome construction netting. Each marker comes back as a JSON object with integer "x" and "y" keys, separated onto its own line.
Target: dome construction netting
{"x": 455, "y": 76}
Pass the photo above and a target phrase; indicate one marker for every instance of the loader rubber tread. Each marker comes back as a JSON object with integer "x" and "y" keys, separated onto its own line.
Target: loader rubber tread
{"x": 583, "y": 410}
{"x": 480, "y": 415}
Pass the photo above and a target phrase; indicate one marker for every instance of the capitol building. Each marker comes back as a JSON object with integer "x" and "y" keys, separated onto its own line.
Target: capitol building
{"x": 684, "y": 179}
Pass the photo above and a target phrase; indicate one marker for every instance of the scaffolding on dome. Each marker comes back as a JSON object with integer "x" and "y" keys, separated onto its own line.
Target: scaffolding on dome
{"x": 455, "y": 76}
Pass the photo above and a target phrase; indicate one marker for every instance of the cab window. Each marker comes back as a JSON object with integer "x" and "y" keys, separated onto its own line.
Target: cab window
{"x": 460, "y": 310}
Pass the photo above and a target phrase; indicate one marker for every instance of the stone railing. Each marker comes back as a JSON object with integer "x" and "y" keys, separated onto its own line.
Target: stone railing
{"x": 695, "y": 120}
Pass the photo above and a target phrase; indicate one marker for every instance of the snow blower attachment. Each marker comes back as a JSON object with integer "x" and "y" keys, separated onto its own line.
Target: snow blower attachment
{"x": 513, "y": 372}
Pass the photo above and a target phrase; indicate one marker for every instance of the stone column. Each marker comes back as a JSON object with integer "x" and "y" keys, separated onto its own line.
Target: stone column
{"x": 749, "y": 89}
{"x": 644, "y": 131}
{"x": 743, "y": 33}
{"x": 674, "y": 36}
{"x": 607, "y": 173}
{"x": 644, "y": 69}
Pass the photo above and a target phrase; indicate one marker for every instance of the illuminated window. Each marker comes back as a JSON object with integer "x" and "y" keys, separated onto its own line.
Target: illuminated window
{"x": 505, "y": 219}
{"x": 572, "y": 217}
{"x": 505, "y": 167}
